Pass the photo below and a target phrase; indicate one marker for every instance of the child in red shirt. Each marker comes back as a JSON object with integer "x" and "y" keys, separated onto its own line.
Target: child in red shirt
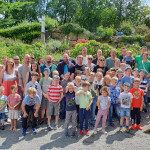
{"x": 137, "y": 104}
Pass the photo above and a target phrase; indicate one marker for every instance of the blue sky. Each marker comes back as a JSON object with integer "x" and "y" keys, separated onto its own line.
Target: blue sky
{"x": 148, "y": 2}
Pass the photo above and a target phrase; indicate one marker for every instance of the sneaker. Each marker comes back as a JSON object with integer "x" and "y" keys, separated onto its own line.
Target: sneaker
{"x": 66, "y": 134}
{"x": 121, "y": 129}
{"x": 55, "y": 126}
{"x": 87, "y": 132}
{"x": 127, "y": 130}
{"x": 139, "y": 127}
{"x": 3, "y": 127}
{"x": 34, "y": 131}
{"x": 42, "y": 121}
{"x": 24, "y": 132}
{"x": 73, "y": 134}
{"x": 49, "y": 128}
{"x": 133, "y": 127}
{"x": 112, "y": 125}
{"x": 81, "y": 132}
{"x": 92, "y": 124}
{"x": 104, "y": 132}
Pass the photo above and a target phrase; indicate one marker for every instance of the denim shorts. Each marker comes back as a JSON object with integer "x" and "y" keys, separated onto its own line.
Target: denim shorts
{"x": 2, "y": 116}
{"x": 125, "y": 112}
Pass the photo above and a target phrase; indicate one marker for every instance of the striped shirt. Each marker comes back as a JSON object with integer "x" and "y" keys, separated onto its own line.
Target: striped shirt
{"x": 54, "y": 93}
{"x": 143, "y": 85}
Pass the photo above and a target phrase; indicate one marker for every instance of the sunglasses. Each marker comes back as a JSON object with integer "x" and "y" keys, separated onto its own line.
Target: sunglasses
{"x": 101, "y": 60}
{"x": 32, "y": 57}
{"x": 89, "y": 58}
{"x": 16, "y": 59}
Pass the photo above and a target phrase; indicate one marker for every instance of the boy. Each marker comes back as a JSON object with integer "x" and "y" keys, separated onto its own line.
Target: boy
{"x": 64, "y": 83}
{"x": 129, "y": 59}
{"x": 28, "y": 105}
{"x": 85, "y": 102}
{"x": 3, "y": 108}
{"x": 54, "y": 95}
{"x": 45, "y": 82}
{"x": 135, "y": 72}
{"x": 114, "y": 95}
{"x": 125, "y": 101}
{"x": 71, "y": 111}
{"x": 137, "y": 104}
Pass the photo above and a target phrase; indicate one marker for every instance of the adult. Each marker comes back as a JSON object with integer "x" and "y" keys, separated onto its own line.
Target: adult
{"x": 123, "y": 51}
{"x": 17, "y": 62}
{"x": 139, "y": 58}
{"x": 22, "y": 71}
{"x": 110, "y": 61}
{"x": 8, "y": 76}
{"x": 90, "y": 64}
{"x": 101, "y": 64}
{"x": 99, "y": 54}
{"x": 48, "y": 64}
{"x": 5, "y": 58}
{"x": 65, "y": 66}
{"x": 40, "y": 61}
{"x": 32, "y": 58}
{"x": 67, "y": 51}
{"x": 79, "y": 66}
{"x": 85, "y": 56}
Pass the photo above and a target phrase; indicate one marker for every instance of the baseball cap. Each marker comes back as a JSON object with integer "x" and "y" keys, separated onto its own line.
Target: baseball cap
{"x": 128, "y": 68}
{"x": 120, "y": 71}
{"x": 135, "y": 69}
{"x": 142, "y": 70}
{"x": 126, "y": 84}
{"x": 56, "y": 77}
{"x": 46, "y": 69}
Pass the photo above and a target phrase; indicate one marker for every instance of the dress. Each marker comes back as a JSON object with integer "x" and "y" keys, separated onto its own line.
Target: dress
{"x": 8, "y": 81}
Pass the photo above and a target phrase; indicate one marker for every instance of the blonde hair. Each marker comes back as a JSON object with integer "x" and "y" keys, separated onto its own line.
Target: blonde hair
{"x": 85, "y": 83}
{"x": 70, "y": 84}
{"x": 13, "y": 65}
{"x": 87, "y": 68}
{"x": 99, "y": 73}
{"x": 99, "y": 70}
{"x": 55, "y": 72}
{"x": 106, "y": 78}
{"x": 2, "y": 88}
{"x": 91, "y": 74}
{"x": 31, "y": 90}
{"x": 106, "y": 89}
{"x": 136, "y": 80}
{"x": 114, "y": 78}
{"x": 78, "y": 78}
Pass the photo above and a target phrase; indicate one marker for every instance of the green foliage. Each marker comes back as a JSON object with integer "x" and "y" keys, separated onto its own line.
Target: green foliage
{"x": 126, "y": 28}
{"x": 72, "y": 28}
{"x": 105, "y": 32}
{"x": 101, "y": 31}
{"x": 109, "y": 32}
{"x": 142, "y": 30}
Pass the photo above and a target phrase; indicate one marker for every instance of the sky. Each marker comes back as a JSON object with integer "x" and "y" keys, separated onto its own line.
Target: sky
{"x": 148, "y": 2}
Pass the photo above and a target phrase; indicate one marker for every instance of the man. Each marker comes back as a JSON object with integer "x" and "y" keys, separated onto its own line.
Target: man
{"x": 124, "y": 51}
{"x": 17, "y": 62}
{"x": 139, "y": 58}
{"x": 79, "y": 66}
{"x": 99, "y": 54}
{"x": 85, "y": 56}
{"x": 32, "y": 58}
{"x": 65, "y": 66}
{"x": 22, "y": 71}
{"x": 67, "y": 51}
{"x": 49, "y": 65}
{"x": 110, "y": 61}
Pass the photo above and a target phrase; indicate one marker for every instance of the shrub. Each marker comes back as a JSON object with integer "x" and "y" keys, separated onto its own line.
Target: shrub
{"x": 101, "y": 31}
{"x": 109, "y": 32}
{"x": 126, "y": 28}
{"x": 142, "y": 30}
{"x": 80, "y": 41}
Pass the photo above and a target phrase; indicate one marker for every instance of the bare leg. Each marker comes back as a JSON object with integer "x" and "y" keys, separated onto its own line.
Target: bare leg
{"x": 3, "y": 122}
{"x": 42, "y": 113}
{"x": 121, "y": 121}
{"x": 49, "y": 119}
{"x": 15, "y": 124}
{"x": 56, "y": 119}
{"x": 12, "y": 125}
{"x": 127, "y": 121}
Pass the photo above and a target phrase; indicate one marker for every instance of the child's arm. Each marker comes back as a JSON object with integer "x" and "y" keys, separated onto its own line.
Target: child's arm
{"x": 44, "y": 94}
{"x": 79, "y": 92}
{"x": 4, "y": 106}
{"x": 141, "y": 108}
{"x": 109, "y": 103}
{"x": 98, "y": 104}
{"x": 121, "y": 86}
{"x": 24, "y": 111}
{"x": 17, "y": 104}
{"x": 74, "y": 89}
{"x": 91, "y": 101}
{"x": 10, "y": 105}
{"x": 61, "y": 96}
{"x": 37, "y": 109}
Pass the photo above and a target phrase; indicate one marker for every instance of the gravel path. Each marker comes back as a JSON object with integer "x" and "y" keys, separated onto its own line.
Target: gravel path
{"x": 135, "y": 140}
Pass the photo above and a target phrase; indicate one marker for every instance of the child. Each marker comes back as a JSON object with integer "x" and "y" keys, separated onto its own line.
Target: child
{"x": 45, "y": 82}
{"x": 35, "y": 84}
{"x": 54, "y": 95}
{"x": 14, "y": 101}
{"x": 129, "y": 59}
{"x": 77, "y": 73}
{"x": 86, "y": 74}
{"x": 3, "y": 108}
{"x": 119, "y": 76}
{"x": 28, "y": 105}
{"x": 137, "y": 104}
{"x": 71, "y": 112}
{"x": 125, "y": 101}
{"x": 55, "y": 72}
{"x": 123, "y": 67}
{"x": 127, "y": 78}
{"x": 106, "y": 81}
{"x": 94, "y": 92}
{"x": 113, "y": 72}
{"x": 135, "y": 73}
{"x": 103, "y": 104}
{"x": 64, "y": 83}
{"x": 85, "y": 102}
{"x": 114, "y": 95}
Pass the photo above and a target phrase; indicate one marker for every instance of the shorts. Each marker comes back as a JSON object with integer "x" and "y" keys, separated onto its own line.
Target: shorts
{"x": 125, "y": 112}
{"x": 53, "y": 109}
{"x": 13, "y": 114}
{"x": 44, "y": 103}
{"x": 2, "y": 116}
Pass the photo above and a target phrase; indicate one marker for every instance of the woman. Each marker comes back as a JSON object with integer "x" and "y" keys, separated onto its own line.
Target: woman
{"x": 8, "y": 76}
{"x": 90, "y": 64}
{"x": 101, "y": 64}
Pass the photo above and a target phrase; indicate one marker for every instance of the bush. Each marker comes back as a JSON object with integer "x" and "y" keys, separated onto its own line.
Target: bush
{"x": 142, "y": 30}
{"x": 81, "y": 41}
{"x": 109, "y": 32}
{"x": 126, "y": 28}
{"x": 105, "y": 32}
{"x": 101, "y": 31}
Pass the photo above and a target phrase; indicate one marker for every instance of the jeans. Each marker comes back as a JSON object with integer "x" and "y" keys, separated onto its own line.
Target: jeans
{"x": 93, "y": 107}
{"x": 148, "y": 104}
{"x": 63, "y": 111}
{"x": 116, "y": 107}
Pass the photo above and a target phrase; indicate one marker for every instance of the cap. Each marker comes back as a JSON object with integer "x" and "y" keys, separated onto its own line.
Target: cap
{"x": 67, "y": 73}
{"x": 56, "y": 77}
{"x": 135, "y": 69}
{"x": 46, "y": 69}
{"x": 120, "y": 71}
{"x": 112, "y": 69}
{"x": 128, "y": 68}
{"x": 142, "y": 70}
{"x": 126, "y": 84}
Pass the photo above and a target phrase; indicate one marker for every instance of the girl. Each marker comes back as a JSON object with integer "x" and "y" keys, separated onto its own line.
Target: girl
{"x": 103, "y": 104}
{"x": 86, "y": 74}
{"x": 106, "y": 81}
{"x": 119, "y": 76}
{"x": 14, "y": 102}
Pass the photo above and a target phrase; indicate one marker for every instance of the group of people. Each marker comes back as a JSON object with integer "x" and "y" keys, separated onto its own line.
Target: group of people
{"x": 80, "y": 90}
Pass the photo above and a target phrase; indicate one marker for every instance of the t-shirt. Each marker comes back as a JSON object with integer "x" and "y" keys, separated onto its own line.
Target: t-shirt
{"x": 78, "y": 88}
{"x": 93, "y": 89}
{"x": 3, "y": 100}
{"x": 45, "y": 83}
{"x": 128, "y": 80}
{"x": 84, "y": 100}
{"x": 125, "y": 100}
{"x": 104, "y": 102}
{"x": 143, "y": 85}
{"x": 31, "y": 101}
{"x": 145, "y": 66}
{"x": 65, "y": 69}
{"x": 137, "y": 97}
{"x": 13, "y": 100}
{"x": 110, "y": 62}
{"x": 70, "y": 101}
{"x": 126, "y": 58}
{"x": 54, "y": 93}
{"x": 77, "y": 67}
{"x": 104, "y": 69}
{"x": 64, "y": 84}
